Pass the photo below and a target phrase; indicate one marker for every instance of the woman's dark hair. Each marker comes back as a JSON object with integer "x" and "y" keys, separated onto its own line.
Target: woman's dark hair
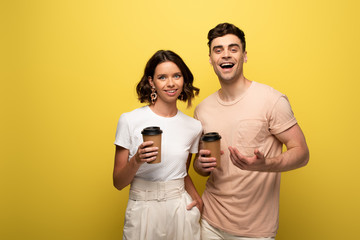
{"x": 143, "y": 88}
{"x": 223, "y": 29}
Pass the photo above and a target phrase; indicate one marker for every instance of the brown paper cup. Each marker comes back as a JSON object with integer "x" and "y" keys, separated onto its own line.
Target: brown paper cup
{"x": 153, "y": 134}
{"x": 211, "y": 141}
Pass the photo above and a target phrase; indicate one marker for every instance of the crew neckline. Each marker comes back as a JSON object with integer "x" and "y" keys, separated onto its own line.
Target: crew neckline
{"x": 226, "y": 103}
{"x": 155, "y": 114}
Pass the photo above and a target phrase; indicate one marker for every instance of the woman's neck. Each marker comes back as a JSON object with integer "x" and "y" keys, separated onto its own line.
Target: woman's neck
{"x": 163, "y": 109}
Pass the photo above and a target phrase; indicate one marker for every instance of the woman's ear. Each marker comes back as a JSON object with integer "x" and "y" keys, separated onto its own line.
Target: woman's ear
{"x": 151, "y": 82}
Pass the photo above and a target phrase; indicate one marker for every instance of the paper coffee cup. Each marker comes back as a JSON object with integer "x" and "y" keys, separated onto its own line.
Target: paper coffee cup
{"x": 153, "y": 134}
{"x": 211, "y": 141}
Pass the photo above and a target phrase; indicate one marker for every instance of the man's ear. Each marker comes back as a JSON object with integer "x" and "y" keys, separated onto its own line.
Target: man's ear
{"x": 245, "y": 56}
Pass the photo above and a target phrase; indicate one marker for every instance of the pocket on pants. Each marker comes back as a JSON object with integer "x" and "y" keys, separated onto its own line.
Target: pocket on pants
{"x": 195, "y": 211}
{"x": 133, "y": 216}
{"x": 192, "y": 220}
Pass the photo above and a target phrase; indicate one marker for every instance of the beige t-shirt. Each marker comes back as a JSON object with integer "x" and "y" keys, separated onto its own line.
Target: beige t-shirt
{"x": 245, "y": 203}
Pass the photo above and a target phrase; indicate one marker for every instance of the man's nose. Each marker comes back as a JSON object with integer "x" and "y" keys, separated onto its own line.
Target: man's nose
{"x": 226, "y": 53}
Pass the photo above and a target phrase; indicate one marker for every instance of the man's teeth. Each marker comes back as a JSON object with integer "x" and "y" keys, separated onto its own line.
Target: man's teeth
{"x": 226, "y": 65}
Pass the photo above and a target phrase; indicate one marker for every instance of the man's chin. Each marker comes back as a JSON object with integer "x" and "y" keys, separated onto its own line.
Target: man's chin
{"x": 226, "y": 79}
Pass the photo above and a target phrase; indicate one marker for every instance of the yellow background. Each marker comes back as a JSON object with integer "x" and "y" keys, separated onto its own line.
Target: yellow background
{"x": 68, "y": 69}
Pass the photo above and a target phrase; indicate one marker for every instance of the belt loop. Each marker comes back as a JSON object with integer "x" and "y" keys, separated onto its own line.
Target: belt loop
{"x": 147, "y": 197}
{"x": 161, "y": 191}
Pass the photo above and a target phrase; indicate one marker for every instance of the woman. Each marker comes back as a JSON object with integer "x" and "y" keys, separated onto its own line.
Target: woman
{"x": 163, "y": 202}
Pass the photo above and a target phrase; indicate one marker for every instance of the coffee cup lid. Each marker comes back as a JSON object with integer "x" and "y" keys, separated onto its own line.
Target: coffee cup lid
{"x": 151, "y": 131}
{"x": 210, "y": 137}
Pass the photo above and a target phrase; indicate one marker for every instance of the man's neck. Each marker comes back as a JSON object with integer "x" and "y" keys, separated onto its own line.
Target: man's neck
{"x": 231, "y": 91}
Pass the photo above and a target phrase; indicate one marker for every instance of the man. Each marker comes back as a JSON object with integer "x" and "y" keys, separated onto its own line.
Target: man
{"x": 241, "y": 199}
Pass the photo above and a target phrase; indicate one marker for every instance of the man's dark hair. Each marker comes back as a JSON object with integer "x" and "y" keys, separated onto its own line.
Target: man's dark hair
{"x": 223, "y": 29}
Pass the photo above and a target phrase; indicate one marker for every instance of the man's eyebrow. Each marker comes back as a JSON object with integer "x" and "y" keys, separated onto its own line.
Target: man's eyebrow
{"x": 217, "y": 46}
{"x": 234, "y": 45}
{"x": 230, "y": 45}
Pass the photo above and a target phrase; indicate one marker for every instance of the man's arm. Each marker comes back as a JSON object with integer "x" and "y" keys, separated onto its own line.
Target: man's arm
{"x": 296, "y": 156}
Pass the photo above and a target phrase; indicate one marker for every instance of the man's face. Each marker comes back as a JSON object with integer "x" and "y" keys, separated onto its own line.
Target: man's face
{"x": 227, "y": 58}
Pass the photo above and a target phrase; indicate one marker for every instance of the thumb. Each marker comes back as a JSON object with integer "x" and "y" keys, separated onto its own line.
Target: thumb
{"x": 258, "y": 153}
{"x": 191, "y": 205}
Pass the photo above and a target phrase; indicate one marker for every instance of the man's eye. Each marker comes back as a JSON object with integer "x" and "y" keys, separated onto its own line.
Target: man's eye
{"x": 234, "y": 50}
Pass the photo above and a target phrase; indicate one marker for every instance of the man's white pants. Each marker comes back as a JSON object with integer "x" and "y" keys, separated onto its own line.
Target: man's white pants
{"x": 209, "y": 232}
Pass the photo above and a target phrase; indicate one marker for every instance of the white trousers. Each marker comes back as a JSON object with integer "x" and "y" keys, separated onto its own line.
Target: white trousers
{"x": 209, "y": 232}
{"x": 157, "y": 211}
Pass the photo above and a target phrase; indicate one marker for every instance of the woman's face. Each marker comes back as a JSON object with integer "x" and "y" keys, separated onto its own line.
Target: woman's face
{"x": 168, "y": 81}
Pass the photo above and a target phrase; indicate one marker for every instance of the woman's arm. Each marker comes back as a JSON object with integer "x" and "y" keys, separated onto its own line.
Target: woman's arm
{"x": 190, "y": 188}
{"x": 124, "y": 170}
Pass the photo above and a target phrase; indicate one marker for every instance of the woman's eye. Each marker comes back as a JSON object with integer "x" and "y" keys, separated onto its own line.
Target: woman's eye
{"x": 162, "y": 77}
{"x": 177, "y": 76}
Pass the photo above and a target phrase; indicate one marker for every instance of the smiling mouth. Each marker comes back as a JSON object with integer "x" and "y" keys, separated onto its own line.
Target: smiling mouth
{"x": 170, "y": 91}
{"x": 226, "y": 65}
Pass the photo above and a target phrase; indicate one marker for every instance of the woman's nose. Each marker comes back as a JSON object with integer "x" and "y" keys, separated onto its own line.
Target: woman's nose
{"x": 170, "y": 82}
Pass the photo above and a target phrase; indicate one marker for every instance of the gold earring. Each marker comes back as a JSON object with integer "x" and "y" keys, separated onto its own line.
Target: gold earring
{"x": 153, "y": 95}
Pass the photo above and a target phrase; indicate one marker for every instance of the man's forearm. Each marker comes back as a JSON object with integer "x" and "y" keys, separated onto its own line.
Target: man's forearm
{"x": 291, "y": 159}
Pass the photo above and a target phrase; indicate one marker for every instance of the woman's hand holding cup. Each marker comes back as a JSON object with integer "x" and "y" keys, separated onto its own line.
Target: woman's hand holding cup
{"x": 146, "y": 153}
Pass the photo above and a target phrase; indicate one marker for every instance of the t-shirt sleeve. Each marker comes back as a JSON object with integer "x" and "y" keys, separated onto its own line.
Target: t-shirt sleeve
{"x": 195, "y": 113}
{"x": 282, "y": 116}
{"x": 122, "y": 136}
{"x": 195, "y": 145}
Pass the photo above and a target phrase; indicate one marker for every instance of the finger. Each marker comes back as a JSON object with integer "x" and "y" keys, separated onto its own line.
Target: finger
{"x": 209, "y": 169}
{"x": 236, "y": 162}
{"x": 145, "y": 149}
{"x": 207, "y": 162}
{"x": 207, "y": 159}
{"x": 191, "y": 205}
{"x": 208, "y": 166}
{"x": 233, "y": 154}
{"x": 150, "y": 149}
{"x": 231, "y": 151}
{"x": 149, "y": 155}
{"x": 150, "y": 159}
{"x": 146, "y": 144}
{"x": 237, "y": 153}
{"x": 258, "y": 153}
{"x": 142, "y": 147}
{"x": 204, "y": 152}
{"x": 240, "y": 157}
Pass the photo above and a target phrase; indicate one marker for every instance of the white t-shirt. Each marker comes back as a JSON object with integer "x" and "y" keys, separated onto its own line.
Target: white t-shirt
{"x": 181, "y": 136}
